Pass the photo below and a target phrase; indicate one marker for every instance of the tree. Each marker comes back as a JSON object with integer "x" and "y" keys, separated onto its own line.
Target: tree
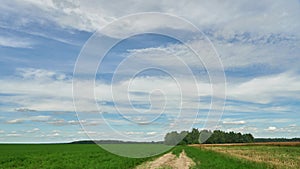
{"x": 248, "y": 138}
{"x": 206, "y": 136}
{"x": 173, "y": 138}
{"x": 192, "y": 137}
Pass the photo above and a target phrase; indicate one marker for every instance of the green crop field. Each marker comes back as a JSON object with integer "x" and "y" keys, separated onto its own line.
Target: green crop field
{"x": 63, "y": 156}
{"x": 88, "y": 156}
{"x": 136, "y": 150}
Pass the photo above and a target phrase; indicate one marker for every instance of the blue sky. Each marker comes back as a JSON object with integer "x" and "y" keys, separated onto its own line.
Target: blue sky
{"x": 257, "y": 42}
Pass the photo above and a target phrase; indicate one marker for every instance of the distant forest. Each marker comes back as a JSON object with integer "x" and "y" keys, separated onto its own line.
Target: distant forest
{"x": 215, "y": 137}
{"x": 261, "y": 140}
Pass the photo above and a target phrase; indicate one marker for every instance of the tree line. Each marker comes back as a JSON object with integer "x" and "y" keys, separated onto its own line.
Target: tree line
{"x": 277, "y": 140}
{"x": 207, "y": 137}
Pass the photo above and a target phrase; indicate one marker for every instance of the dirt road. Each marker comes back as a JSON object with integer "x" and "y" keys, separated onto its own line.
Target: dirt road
{"x": 169, "y": 161}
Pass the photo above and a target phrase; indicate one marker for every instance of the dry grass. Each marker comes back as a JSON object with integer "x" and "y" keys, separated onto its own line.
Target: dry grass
{"x": 277, "y": 155}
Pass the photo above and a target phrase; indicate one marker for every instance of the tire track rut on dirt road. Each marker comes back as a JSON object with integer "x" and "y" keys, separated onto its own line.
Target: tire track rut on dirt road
{"x": 169, "y": 160}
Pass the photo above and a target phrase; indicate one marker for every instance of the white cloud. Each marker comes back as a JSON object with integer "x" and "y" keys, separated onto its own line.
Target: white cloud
{"x": 75, "y": 122}
{"x": 265, "y": 16}
{"x": 14, "y": 135}
{"x": 234, "y": 122}
{"x": 176, "y": 59}
{"x": 284, "y": 129}
{"x": 57, "y": 122}
{"x": 57, "y": 94}
{"x": 271, "y": 128}
{"x": 87, "y": 132}
{"x": 153, "y": 133}
{"x": 53, "y": 135}
{"x": 15, "y": 42}
{"x": 40, "y": 74}
{"x": 274, "y": 52}
{"x": 64, "y": 13}
{"x": 34, "y": 130}
{"x": 247, "y": 22}
{"x": 2, "y": 131}
{"x": 39, "y": 118}
{"x": 134, "y": 133}
{"x": 15, "y": 121}
{"x": 56, "y": 131}
{"x": 85, "y": 122}
{"x": 39, "y": 90}
{"x": 266, "y": 89}
{"x": 243, "y": 129}
{"x": 24, "y": 110}
{"x": 31, "y": 118}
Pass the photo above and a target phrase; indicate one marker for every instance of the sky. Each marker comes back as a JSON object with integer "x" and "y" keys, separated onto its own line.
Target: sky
{"x": 43, "y": 42}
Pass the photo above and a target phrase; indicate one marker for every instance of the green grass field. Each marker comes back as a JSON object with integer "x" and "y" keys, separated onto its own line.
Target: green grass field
{"x": 88, "y": 156}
